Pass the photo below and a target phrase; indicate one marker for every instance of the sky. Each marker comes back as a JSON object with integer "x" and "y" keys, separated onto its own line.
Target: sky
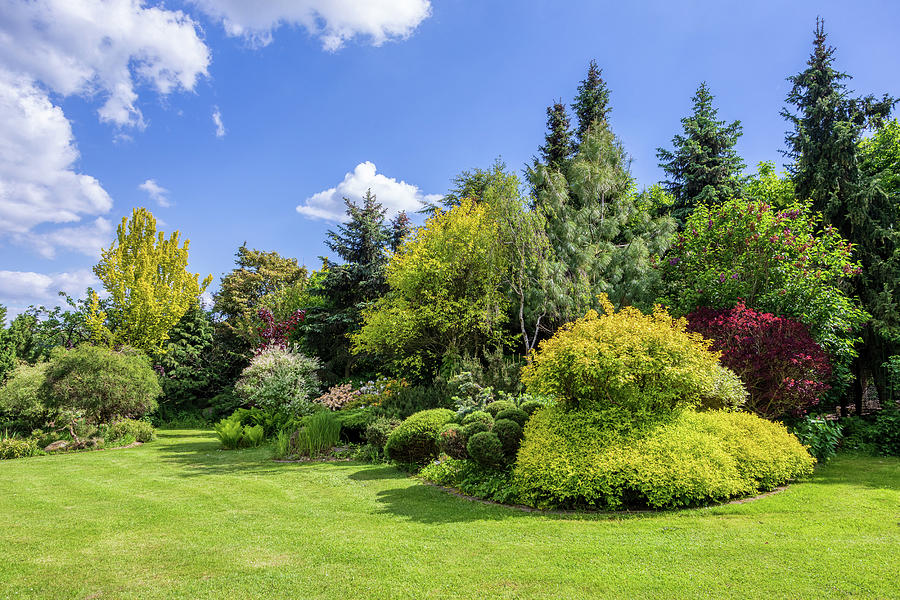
{"x": 237, "y": 121}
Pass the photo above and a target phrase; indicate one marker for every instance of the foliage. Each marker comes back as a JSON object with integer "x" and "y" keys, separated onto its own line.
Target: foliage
{"x": 318, "y": 435}
{"x": 17, "y": 448}
{"x": 498, "y": 405}
{"x": 728, "y": 391}
{"x": 768, "y": 187}
{"x": 230, "y": 433}
{"x": 452, "y": 441}
{"x": 513, "y": 414}
{"x": 415, "y": 441}
{"x": 486, "y": 449}
{"x": 509, "y": 433}
{"x": 784, "y": 369}
{"x": 780, "y": 262}
{"x": 591, "y": 106}
{"x": 273, "y": 332}
{"x": 148, "y": 282}
{"x": 575, "y": 458}
{"x": 338, "y": 396}
{"x": 21, "y": 404}
{"x": 444, "y": 294}
{"x": 820, "y": 435}
{"x": 703, "y": 167}
{"x": 647, "y": 365}
{"x": 529, "y": 407}
{"x": 886, "y": 431}
{"x": 406, "y": 400}
{"x": 354, "y": 423}
{"x": 141, "y": 431}
{"x": 378, "y": 431}
{"x": 7, "y": 348}
{"x": 103, "y": 383}
{"x": 558, "y": 143}
{"x": 253, "y": 435}
{"x": 280, "y": 379}
{"x": 37, "y": 330}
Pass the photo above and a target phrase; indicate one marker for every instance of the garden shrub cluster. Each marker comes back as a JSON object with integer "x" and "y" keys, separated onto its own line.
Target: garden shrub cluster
{"x": 138, "y": 431}
{"x": 415, "y": 440}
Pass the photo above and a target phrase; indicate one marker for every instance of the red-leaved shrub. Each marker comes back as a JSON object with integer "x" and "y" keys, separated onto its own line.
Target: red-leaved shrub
{"x": 784, "y": 369}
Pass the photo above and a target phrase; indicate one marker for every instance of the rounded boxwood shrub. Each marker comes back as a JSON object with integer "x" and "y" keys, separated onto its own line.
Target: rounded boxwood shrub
{"x": 103, "y": 383}
{"x": 452, "y": 441}
{"x": 514, "y": 414}
{"x": 486, "y": 449}
{"x": 498, "y": 405}
{"x": 479, "y": 416}
{"x": 415, "y": 440}
{"x": 378, "y": 431}
{"x": 510, "y": 434}
{"x": 530, "y": 406}
{"x": 595, "y": 458}
{"x": 475, "y": 428}
{"x": 645, "y": 364}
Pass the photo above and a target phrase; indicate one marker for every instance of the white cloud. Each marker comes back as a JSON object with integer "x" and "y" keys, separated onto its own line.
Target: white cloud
{"x": 217, "y": 119}
{"x": 334, "y": 22}
{"x": 18, "y": 289}
{"x": 157, "y": 193}
{"x": 392, "y": 194}
{"x": 88, "y": 239}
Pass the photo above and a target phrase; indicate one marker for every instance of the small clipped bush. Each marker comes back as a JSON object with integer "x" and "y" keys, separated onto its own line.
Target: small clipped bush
{"x": 510, "y": 435}
{"x": 645, "y": 364}
{"x": 17, "y": 448}
{"x": 103, "y": 383}
{"x": 415, "y": 441}
{"x": 141, "y": 431}
{"x": 280, "y": 379}
{"x": 497, "y": 406}
{"x": 230, "y": 433}
{"x": 378, "y": 431}
{"x": 479, "y": 416}
{"x": 475, "y": 427}
{"x": 514, "y": 414}
{"x": 452, "y": 441}
{"x": 590, "y": 458}
{"x": 530, "y": 406}
{"x": 486, "y": 449}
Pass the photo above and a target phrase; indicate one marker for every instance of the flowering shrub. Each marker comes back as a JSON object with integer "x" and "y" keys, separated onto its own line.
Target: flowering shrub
{"x": 338, "y": 396}
{"x": 777, "y": 261}
{"x": 784, "y": 369}
{"x": 279, "y": 379}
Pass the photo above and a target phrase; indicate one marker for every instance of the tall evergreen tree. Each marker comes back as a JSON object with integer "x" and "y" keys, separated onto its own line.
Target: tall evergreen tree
{"x": 592, "y": 101}
{"x": 400, "y": 228}
{"x": 823, "y": 146}
{"x": 558, "y": 144}
{"x": 703, "y": 167}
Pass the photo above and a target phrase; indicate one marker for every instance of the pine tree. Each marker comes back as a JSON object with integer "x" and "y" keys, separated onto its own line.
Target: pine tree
{"x": 400, "y": 228}
{"x": 558, "y": 144}
{"x": 703, "y": 167}
{"x": 592, "y": 102}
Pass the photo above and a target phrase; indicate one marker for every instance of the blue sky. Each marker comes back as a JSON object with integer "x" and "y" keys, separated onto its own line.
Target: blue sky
{"x": 107, "y": 105}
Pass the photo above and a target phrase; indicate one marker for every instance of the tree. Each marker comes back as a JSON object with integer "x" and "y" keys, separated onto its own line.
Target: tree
{"x": 7, "y": 348}
{"x": 400, "y": 227}
{"x": 558, "y": 144}
{"x": 770, "y": 187}
{"x": 148, "y": 282}
{"x": 469, "y": 184}
{"x": 703, "y": 166}
{"x": 592, "y": 101}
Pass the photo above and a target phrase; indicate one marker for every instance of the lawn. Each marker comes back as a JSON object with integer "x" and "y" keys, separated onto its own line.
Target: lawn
{"x": 178, "y": 518}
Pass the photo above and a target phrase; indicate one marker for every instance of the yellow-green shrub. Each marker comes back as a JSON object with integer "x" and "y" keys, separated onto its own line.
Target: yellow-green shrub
{"x": 645, "y": 364}
{"x": 594, "y": 458}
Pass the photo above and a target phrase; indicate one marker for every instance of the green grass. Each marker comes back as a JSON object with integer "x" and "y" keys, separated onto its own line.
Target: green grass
{"x": 178, "y": 518}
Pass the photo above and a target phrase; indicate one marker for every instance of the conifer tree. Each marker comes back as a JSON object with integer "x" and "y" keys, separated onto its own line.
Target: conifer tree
{"x": 400, "y": 228}
{"x": 703, "y": 166}
{"x": 558, "y": 144}
{"x": 592, "y": 102}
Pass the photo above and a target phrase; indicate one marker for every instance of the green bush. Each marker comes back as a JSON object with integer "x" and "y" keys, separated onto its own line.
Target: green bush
{"x": 354, "y": 423}
{"x": 479, "y": 416}
{"x": 319, "y": 434}
{"x": 415, "y": 441}
{"x": 254, "y": 436}
{"x": 280, "y": 380}
{"x": 103, "y": 383}
{"x": 230, "y": 433}
{"x": 17, "y": 448}
{"x": 530, "y": 406}
{"x": 486, "y": 449}
{"x": 648, "y": 365}
{"x": 406, "y": 401}
{"x": 510, "y": 435}
{"x": 594, "y": 458}
{"x": 141, "y": 431}
{"x": 820, "y": 435}
{"x": 886, "y": 432}
{"x": 470, "y": 478}
{"x": 452, "y": 441}
{"x": 514, "y": 414}
{"x": 474, "y": 428}
{"x": 727, "y": 391}
{"x": 497, "y": 406}
{"x": 20, "y": 399}
{"x": 378, "y": 431}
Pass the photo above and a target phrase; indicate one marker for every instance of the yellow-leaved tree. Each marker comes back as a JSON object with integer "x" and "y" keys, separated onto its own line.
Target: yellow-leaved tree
{"x": 148, "y": 282}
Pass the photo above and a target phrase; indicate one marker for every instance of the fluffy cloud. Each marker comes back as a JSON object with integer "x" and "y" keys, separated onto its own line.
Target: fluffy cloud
{"x": 392, "y": 194}
{"x": 156, "y": 192}
{"x": 21, "y": 288}
{"x": 334, "y": 22}
{"x": 217, "y": 119}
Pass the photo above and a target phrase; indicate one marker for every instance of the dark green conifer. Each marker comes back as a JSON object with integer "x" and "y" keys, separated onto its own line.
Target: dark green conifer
{"x": 558, "y": 144}
{"x": 592, "y": 102}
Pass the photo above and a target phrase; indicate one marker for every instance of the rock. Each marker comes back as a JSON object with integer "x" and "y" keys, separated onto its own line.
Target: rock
{"x": 56, "y": 446}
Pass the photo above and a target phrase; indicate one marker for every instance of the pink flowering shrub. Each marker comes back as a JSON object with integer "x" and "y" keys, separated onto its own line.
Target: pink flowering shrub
{"x": 338, "y": 396}
{"x": 784, "y": 370}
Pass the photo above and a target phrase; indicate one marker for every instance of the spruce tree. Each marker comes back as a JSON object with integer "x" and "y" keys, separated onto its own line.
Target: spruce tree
{"x": 558, "y": 144}
{"x": 703, "y": 167}
{"x": 592, "y": 102}
{"x": 400, "y": 228}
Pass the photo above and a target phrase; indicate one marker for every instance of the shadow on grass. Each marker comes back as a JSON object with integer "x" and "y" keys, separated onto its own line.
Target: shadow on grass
{"x": 860, "y": 470}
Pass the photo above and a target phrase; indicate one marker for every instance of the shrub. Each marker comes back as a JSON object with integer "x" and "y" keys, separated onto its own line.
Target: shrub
{"x": 280, "y": 379}
{"x": 886, "y": 432}
{"x": 408, "y": 400}
{"x": 589, "y": 458}
{"x": 230, "y": 433}
{"x": 497, "y": 406}
{"x": 17, "y": 448}
{"x": 513, "y": 414}
{"x": 103, "y": 383}
{"x": 141, "y": 431}
{"x": 479, "y": 416}
{"x": 20, "y": 398}
{"x": 486, "y": 449}
{"x": 354, "y": 423}
{"x": 452, "y": 441}
{"x": 510, "y": 435}
{"x": 820, "y": 435}
{"x": 530, "y": 406}
{"x": 472, "y": 479}
{"x": 378, "y": 431}
{"x": 338, "y": 396}
{"x": 254, "y": 436}
{"x": 783, "y": 368}
{"x": 646, "y": 364}
{"x": 319, "y": 434}
{"x": 475, "y": 427}
{"x": 727, "y": 393}
{"x": 415, "y": 441}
